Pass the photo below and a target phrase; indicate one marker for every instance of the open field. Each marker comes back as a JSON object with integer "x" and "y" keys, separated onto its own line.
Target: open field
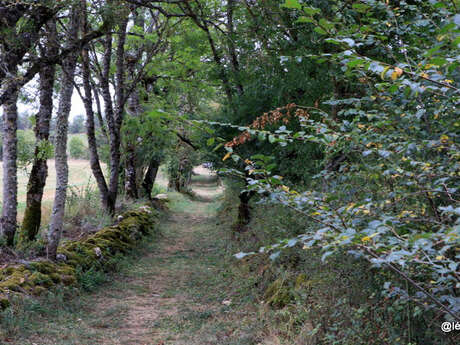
{"x": 80, "y": 176}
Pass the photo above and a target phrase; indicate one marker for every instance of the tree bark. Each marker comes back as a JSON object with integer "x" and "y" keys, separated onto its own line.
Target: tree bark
{"x": 37, "y": 179}
{"x": 10, "y": 182}
{"x": 150, "y": 177}
{"x": 115, "y": 128}
{"x": 90, "y": 125}
{"x": 134, "y": 109}
{"x": 131, "y": 189}
{"x": 108, "y": 107}
{"x": 15, "y": 41}
{"x": 114, "y": 116}
{"x": 244, "y": 211}
{"x": 16, "y": 38}
{"x": 62, "y": 171}
{"x": 100, "y": 119}
{"x": 92, "y": 143}
{"x": 114, "y": 109}
{"x": 130, "y": 173}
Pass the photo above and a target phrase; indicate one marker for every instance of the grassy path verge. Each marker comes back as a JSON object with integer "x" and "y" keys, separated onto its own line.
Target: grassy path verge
{"x": 180, "y": 289}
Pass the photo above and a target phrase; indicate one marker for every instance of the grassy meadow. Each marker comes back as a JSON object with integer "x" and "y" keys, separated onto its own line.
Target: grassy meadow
{"x": 80, "y": 176}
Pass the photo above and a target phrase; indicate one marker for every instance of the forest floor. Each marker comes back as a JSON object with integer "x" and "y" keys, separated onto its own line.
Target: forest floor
{"x": 180, "y": 288}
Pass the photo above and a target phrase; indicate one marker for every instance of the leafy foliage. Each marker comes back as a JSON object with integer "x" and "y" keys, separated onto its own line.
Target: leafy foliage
{"x": 77, "y": 148}
{"x": 26, "y": 147}
{"x": 388, "y": 191}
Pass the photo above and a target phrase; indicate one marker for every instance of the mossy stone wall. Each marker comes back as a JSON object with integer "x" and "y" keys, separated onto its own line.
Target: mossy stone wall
{"x": 95, "y": 251}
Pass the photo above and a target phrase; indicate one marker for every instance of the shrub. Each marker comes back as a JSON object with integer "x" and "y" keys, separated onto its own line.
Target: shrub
{"x": 310, "y": 301}
{"x": 77, "y": 148}
{"x": 26, "y": 147}
{"x": 388, "y": 188}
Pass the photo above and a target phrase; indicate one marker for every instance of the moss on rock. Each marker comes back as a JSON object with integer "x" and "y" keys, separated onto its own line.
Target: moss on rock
{"x": 279, "y": 294}
{"x": 13, "y": 281}
{"x": 36, "y": 277}
{"x": 39, "y": 290}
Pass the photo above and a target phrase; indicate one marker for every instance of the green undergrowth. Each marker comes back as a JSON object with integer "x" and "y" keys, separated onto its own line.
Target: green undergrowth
{"x": 305, "y": 300}
{"x": 80, "y": 258}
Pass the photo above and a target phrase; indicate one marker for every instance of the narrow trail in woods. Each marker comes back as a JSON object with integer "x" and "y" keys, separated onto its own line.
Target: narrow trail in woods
{"x": 173, "y": 293}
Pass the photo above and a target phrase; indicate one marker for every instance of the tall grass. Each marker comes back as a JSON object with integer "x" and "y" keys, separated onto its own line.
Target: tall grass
{"x": 83, "y": 209}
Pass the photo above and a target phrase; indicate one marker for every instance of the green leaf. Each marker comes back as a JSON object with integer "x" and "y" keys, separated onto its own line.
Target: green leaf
{"x": 326, "y": 24}
{"x": 440, "y": 5}
{"x": 362, "y": 8}
{"x": 261, "y": 136}
{"x": 304, "y": 19}
{"x": 333, "y": 41}
{"x": 438, "y": 61}
{"x": 218, "y": 147}
{"x": 270, "y": 167}
{"x": 311, "y": 10}
{"x": 433, "y": 50}
{"x": 456, "y": 42}
{"x": 258, "y": 156}
{"x": 292, "y": 4}
{"x": 210, "y": 141}
{"x": 354, "y": 63}
{"x": 319, "y": 30}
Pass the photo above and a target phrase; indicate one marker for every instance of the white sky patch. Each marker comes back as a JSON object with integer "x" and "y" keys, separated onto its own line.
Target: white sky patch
{"x": 77, "y": 108}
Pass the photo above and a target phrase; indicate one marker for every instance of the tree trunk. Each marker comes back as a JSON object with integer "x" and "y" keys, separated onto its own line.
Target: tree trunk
{"x": 150, "y": 177}
{"x": 108, "y": 108}
{"x": 244, "y": 212}
{"x": 37, "y": 179}
{"x": 16, "y": 42}
{"x": 134, "y": 109}
{"x": 20, "y": 25}
{"x": 114, "y": 118}
{"x": 115, "y": 130}
{"x": 99, "y": 111}
{"x": 10, "y": 182}
{"x": 62, "y": 171}
{"x": 90, "y": 126}
{"x": 130, "y": 173}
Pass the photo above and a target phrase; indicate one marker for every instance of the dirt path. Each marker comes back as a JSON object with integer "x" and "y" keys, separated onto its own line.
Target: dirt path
{"x": 175, "y": 292}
